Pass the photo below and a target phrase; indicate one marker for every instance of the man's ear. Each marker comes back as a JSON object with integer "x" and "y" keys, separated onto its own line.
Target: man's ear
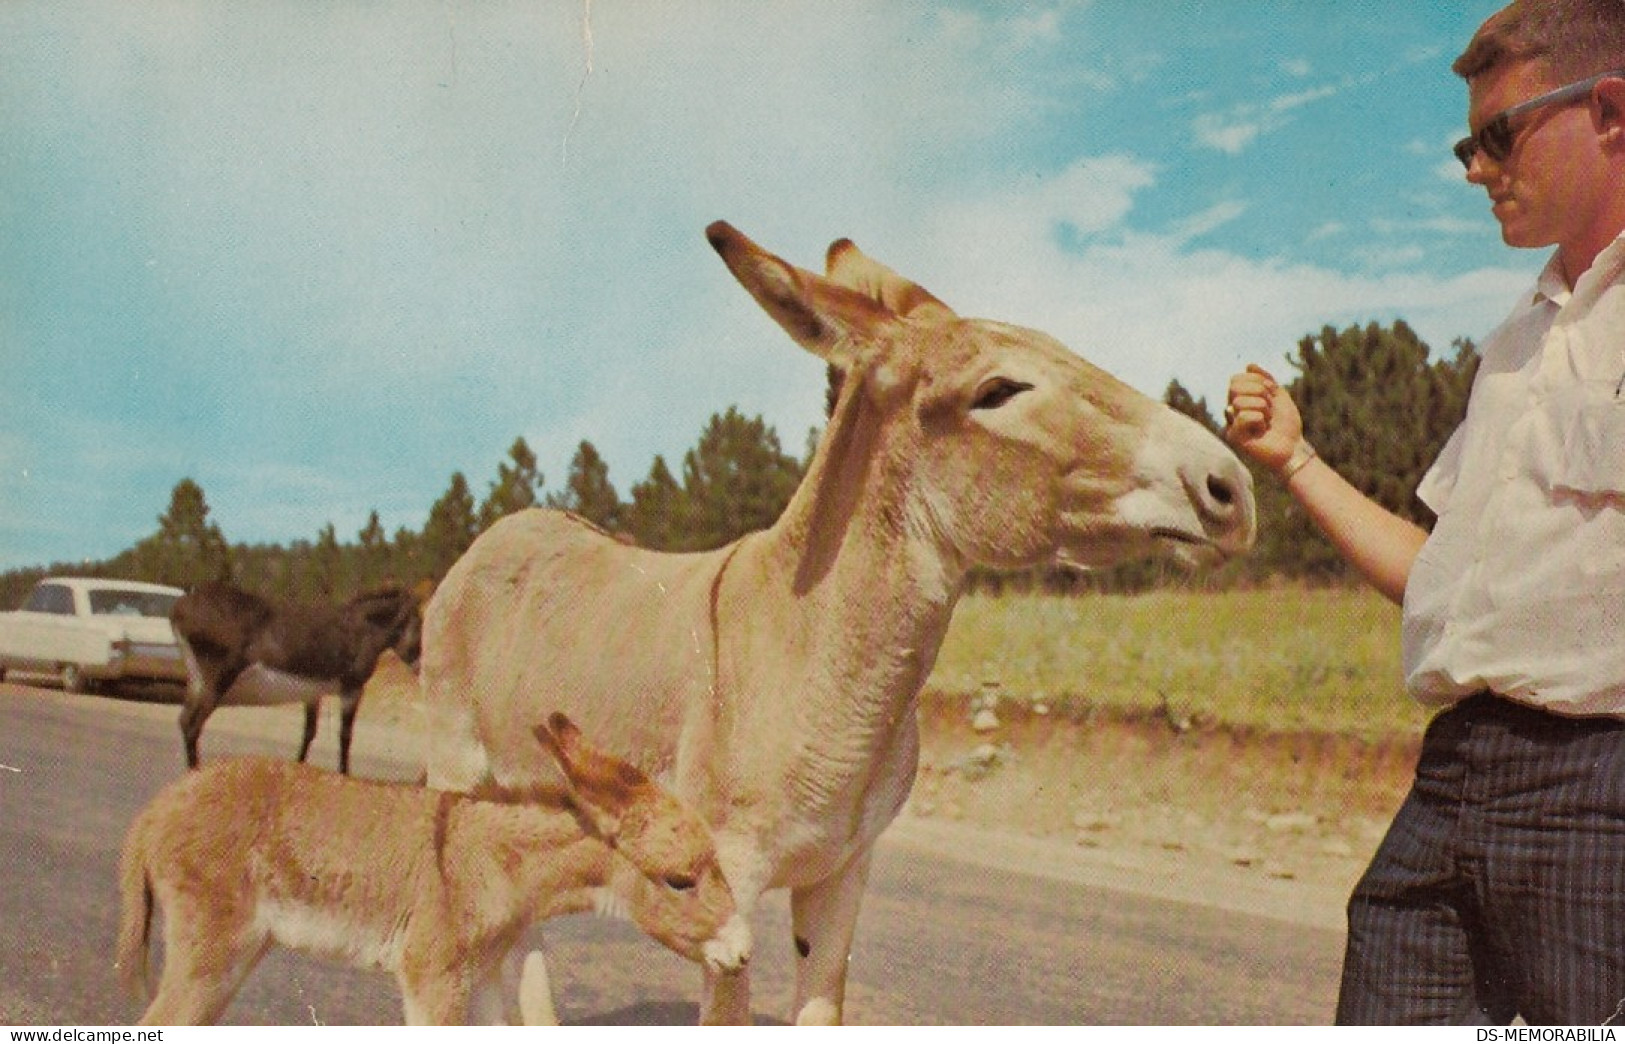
{"x": 1608, "y": 110}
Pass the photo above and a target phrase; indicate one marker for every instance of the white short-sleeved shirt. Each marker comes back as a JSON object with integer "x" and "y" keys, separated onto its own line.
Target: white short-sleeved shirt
{"x": 1520, "y": 588}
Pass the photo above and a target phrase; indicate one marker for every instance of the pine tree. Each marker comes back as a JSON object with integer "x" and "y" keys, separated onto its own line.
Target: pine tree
{"x": 188, "y": 548}
{"x": 1179, "y": 399}
{"x": 515, "y": 487}
{"x": 451, "y": 528}
{"x": 373, "y": 567}
{"x": 735, "y": 481}
{"x": 325, "y": 573}
{"x": 657, "y": 513}
{"x": 588, "y": 492}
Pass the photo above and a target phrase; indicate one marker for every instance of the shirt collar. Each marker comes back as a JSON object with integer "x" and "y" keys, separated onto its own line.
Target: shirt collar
{"x": 1551, "y": 286}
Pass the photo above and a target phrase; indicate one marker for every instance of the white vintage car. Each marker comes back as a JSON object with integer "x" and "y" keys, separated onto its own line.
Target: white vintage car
{"x": 87, "y": 631}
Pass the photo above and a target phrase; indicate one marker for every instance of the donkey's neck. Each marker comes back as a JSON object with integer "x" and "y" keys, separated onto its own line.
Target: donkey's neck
{"x": 864, "y": 581}
{"x": 861, "y": 509}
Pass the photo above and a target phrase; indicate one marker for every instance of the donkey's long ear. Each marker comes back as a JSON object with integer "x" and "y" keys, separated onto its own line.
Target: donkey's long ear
{"x": 846, "y": 265}
{"x": 833, "y": 322}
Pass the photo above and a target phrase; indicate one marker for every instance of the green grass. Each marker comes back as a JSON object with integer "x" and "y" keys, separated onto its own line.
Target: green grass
{"x": 1286, "y": 659}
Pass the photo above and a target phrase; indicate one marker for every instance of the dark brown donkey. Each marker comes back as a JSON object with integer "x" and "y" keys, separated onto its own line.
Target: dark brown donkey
{"x": 245, "y": 650}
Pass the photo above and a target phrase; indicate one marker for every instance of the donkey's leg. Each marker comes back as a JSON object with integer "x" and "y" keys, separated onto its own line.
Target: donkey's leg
{"x": 313, "y": 709}
{"x": 193, "y": 715}
{"x": 532, "y": 990}
{"x": 201, "y": 700}
{"x": 824, "y": 918}
{"x": 205, "y": 689}
{"x": 349, "y": 703}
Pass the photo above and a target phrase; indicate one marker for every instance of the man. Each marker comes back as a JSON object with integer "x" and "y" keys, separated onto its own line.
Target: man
{"x": 1499, "y": 891}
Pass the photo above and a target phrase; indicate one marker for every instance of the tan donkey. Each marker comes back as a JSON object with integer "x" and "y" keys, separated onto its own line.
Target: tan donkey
{"x": 775, "y": 681}
{"x": 433, "y": 886}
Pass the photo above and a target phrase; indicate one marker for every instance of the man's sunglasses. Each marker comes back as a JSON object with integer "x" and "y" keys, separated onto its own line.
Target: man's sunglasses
{"x": 1494, "y": 139}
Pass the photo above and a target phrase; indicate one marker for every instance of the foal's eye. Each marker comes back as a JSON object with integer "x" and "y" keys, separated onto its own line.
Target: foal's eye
{"x": 997, "y": 391}
{"x": 679, "y": 882}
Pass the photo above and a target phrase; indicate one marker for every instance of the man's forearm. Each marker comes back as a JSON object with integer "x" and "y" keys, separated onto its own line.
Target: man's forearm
{"x": 1378, "y": 543}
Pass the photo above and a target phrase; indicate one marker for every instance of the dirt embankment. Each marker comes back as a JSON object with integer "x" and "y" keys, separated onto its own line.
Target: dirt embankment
{"x": 1202, "y": 807}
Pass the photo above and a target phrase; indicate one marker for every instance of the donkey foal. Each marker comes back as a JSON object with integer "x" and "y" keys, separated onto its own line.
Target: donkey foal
{"x": 433, "y": 886}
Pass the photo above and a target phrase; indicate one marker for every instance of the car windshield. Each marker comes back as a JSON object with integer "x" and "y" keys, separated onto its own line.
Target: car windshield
{"x": 116, "y": 602}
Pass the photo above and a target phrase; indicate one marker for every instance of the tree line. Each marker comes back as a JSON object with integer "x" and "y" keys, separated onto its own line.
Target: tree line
{"x": 1376, "y": 404}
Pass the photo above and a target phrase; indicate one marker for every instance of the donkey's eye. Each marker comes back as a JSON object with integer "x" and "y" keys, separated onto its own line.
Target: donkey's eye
{"x": 679, "y": 882}
{"x": 997, "y": 391}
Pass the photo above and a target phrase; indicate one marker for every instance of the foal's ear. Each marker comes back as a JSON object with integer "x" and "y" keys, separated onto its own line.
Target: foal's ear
{"x": 562, "y": 739}
{"x": 603, "y": 785}
{"x": 559, "y": 736}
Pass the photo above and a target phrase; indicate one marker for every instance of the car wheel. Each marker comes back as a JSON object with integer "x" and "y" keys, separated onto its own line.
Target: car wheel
{"x": 73, "y": 679}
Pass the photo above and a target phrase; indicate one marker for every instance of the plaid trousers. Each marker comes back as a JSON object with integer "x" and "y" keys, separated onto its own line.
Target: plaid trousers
{"x": 1499, "y": 891}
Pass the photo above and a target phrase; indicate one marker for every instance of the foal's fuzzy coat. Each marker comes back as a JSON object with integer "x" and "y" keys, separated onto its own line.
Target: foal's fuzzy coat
{"x": 435, "y": 887}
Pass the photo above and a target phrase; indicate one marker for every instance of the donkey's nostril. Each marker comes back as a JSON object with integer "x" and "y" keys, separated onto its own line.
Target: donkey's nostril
{"x": 1221, "y": 490}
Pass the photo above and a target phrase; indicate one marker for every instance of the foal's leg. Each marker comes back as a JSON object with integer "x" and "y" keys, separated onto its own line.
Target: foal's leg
{"x": 438, "y": 997}
{"x": 204, "y": 964}
{"x": 495, "y": 985}
{"x": 726, "y": 1001}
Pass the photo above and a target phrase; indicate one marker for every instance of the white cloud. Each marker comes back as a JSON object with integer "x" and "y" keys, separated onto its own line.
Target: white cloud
{"x": 1149, "y": 308}
{"x": 1388, "y": 257}
{"x": 1233, "y": 129}
{"x": 1440, "y": 224}
{"x": 1229, "y": 133}
{"x": 1210, "y": 220}
{"x": 1449, "y": 170}
{"x": 1288, "y": 102}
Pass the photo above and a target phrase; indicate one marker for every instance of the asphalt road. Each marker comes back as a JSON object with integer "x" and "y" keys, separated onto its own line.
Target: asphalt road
{"x": 940, "y": 941}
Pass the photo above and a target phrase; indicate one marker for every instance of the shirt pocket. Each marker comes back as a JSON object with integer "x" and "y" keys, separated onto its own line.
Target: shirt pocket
{"x": 1591, "y": 459}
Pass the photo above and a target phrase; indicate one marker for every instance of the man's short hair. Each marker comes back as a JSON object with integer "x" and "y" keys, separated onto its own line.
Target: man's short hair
{"x": 1574, "y": 38}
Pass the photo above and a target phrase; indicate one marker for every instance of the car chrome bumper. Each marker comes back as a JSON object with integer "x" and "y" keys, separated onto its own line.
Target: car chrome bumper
{"x": 149, "y": 660}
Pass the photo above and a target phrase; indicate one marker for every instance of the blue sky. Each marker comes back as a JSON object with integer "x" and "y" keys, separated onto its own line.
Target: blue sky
{"x": 319, "y": 256}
